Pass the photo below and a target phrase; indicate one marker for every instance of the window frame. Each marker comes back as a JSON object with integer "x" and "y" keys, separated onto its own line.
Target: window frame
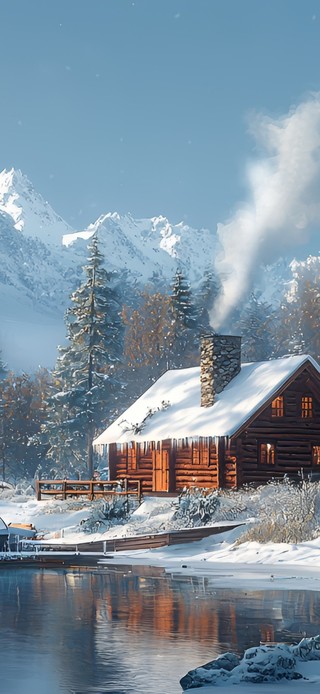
{"x": 265, "y": 463}
{"x": 306, "y": 407}
{"x": 315, "y": 446}
{"x": 277, "y": 407}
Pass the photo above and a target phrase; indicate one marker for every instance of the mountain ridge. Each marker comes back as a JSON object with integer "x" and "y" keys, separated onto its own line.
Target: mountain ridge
{"x": 42, "y": 258}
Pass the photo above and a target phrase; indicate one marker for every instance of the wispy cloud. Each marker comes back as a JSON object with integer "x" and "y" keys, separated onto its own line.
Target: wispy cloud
{"x": 283, "y": 201}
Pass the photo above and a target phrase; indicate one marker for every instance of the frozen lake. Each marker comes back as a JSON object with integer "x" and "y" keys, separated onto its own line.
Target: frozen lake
{"x": 121, "y": 632}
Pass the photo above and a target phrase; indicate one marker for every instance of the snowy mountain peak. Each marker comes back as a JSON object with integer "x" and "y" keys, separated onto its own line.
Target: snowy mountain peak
{"x": 31, "y": 214}
{"x": 151, "y": 245}
{"x": 9, "y": 176}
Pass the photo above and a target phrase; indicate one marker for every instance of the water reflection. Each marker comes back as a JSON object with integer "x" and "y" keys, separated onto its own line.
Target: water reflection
{"x": 128, "y": 633}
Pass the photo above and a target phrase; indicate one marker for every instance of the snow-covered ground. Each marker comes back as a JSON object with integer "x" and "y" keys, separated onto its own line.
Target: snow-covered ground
{"x": 222, "y": 558}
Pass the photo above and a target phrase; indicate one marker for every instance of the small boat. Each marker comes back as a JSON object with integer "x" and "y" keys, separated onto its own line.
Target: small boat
{"x": 11, "y": 535}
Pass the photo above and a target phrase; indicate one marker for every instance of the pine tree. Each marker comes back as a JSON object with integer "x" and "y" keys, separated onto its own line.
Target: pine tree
{"x": 299, "y": 320}
{"x": 206, "y": 296}
{"x": 183, "y": 307}
{"x": 309, "y": 317}
{"x": 185, "y": 324}
{"x": 288, "y": 337}
{"x": 86, "y": 387}
{"x": 256, "y": 328}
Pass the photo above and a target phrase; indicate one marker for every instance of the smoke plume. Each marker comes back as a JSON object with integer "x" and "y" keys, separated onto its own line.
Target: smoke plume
{"x": 284, "y": 201}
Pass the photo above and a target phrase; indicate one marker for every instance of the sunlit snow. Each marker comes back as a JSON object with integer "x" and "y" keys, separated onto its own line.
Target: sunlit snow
{"x": 253, "y": 386}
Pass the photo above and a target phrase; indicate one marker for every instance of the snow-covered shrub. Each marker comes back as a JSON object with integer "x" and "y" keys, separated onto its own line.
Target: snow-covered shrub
{"x": 115, "y": 511}
{"x": 196, "y": 507}
{"x": 308, "y": 649}
{"x": 287, "y": 512}
{"x": 203, "y": 506}
{"x": 23, "y": 489}
{"x": 234, "y": 505}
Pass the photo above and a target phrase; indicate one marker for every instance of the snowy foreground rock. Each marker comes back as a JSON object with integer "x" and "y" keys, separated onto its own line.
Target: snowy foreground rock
{"x": 260, "y": 664}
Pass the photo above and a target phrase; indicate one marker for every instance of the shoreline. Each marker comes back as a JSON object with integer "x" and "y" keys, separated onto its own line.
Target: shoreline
{"x": 239, "y": 576}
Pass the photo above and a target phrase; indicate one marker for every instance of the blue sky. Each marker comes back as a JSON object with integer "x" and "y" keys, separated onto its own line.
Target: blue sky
{"x": 143, "y": 106}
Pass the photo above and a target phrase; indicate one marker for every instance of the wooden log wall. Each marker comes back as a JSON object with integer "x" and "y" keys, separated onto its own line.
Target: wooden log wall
{"x": 200, "y": 463}
{"x": 191, "y": 463}
{"x": 196, "y": 463}
{"x": 134, "y": 461}
{"x": 229, "y": 468}
{"x": 292, "y": 435}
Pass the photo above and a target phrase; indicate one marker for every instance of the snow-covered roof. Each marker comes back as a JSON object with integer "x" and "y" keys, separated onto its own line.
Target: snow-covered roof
{"x": 184, "y": 417}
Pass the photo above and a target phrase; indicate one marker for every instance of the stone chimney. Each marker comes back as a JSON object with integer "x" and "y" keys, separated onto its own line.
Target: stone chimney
{"x": 220, "y": 362}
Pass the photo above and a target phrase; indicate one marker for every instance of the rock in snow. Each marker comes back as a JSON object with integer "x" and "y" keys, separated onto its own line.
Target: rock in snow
{"x": 260, "y": 664}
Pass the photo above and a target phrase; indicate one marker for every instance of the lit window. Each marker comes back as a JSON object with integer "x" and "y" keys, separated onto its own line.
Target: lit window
{"x": 277, "y": 407}
{"x": 267, "y": 453}
{"x": 306, "y": 407}
{"x": 316, "y": 455}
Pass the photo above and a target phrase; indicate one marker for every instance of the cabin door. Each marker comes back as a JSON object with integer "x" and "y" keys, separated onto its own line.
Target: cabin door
{"x": 160, "y": 471}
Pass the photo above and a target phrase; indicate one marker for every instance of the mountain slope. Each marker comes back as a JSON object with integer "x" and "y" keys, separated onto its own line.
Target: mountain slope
{"x": 30, "y": 213}
{"x": 32, "y": 283}
{"x": 147, "y": 246}
{"x": 41, "y": 258}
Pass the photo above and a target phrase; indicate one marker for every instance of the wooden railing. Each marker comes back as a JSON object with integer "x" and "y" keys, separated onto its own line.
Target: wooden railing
{"x": 92, "y": 489}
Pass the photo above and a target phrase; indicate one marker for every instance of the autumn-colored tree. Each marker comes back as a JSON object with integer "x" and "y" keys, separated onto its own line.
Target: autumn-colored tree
{"x": 148, "y": 336}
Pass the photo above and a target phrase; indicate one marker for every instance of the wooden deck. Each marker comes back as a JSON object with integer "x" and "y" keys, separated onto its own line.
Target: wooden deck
{"x": 140, "y": 542}
{"x": 92, "y": 489}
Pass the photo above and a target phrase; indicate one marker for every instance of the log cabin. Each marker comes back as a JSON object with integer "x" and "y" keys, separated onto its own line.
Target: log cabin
{"x": 221, "y": 425}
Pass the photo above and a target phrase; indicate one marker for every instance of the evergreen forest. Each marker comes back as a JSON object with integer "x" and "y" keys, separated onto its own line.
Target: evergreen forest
{"x": 119, "y": 339}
